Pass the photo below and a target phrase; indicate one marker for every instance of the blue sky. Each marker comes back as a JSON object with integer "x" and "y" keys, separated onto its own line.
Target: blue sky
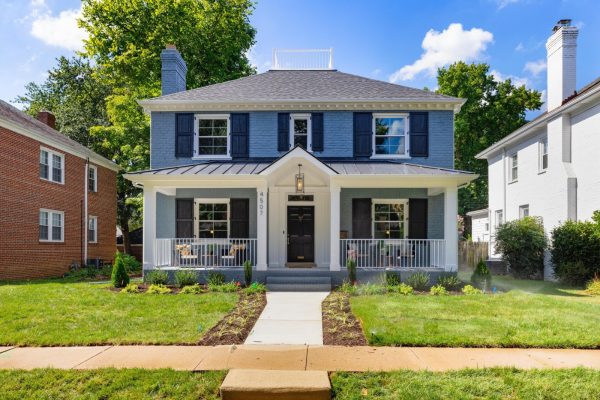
{"x": 399, "y": 41}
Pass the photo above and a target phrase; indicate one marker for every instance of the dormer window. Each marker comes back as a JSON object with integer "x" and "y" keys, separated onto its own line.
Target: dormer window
{"x": 390, "y": 135}
{"x": 211, "y": 136}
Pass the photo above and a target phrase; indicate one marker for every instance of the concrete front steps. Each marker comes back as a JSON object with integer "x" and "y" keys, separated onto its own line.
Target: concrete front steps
{"x": 298, "y": 283}
{"x": 250, "y": 384}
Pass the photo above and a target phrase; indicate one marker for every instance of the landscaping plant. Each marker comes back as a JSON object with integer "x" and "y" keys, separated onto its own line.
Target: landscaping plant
{"x": 185, "y": 278}
{"x": 255, "y": 287}
{"x": 392, "y": 278}
{"x": 158, "y": 289}
{"x": 192, "y": 289}
{"x": 419, "y": 281}
{"x": 119, "y": 276}
{"x": 593, "y": 286}
{"x": 522, "y": 244}
{"x": 450, "y": 282}
{"x": 229, "y": 287}
{"x": 131, "y": 288}
{"x": 215, "y": 278}
{"x": 348, "y": 288}
{"x": 405, "y": 289}
{"x": 470, "y": 290}
{"x": 248, "y": 272}
{"x": 131, "y": 263}
{"x": 157, "y": 277}
{"x": 351, "y": 266}
{"x": 438, "y": 290}
{"x": 369, "y": 289}
{"x": 482, "y": 277}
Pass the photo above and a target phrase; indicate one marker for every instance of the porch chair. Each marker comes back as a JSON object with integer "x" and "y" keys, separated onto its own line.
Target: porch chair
{"x": 185, "y": 254}
{"x": 235, "y": 255}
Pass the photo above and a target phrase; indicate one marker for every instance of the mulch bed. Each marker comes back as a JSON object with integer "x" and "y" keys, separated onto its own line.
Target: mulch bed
{"x": 340, "y": 326}
{"x": 235, "y": 326}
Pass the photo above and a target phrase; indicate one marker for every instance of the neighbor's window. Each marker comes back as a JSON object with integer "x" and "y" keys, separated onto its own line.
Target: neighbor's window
{"x": 51, "y": 226}
{"x": 300, "y": 131}
{"x": 524, "y": 211}
{"x": 514, "y": 167}
{"x": 212, "y": 136}
{"x": 213, "y": 218}
{"x": 92, "y": 178}
{"x": 499, "y": 218}
{"x": 92, "y": 229}
{"x": 389, "y": 219}
{"x": 52, "y": 166}
{"x": 390, "y": 135}
{"x": 543, "y": 154}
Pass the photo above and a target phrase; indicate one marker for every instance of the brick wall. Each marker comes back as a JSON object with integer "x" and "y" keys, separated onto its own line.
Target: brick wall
{"x": 23, "y": 193}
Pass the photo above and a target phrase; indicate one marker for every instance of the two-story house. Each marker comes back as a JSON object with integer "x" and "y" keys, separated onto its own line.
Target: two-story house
{"x": 549, "y": 167}
{"x": 298, "y": 171}
{"x": 58, "y": 199}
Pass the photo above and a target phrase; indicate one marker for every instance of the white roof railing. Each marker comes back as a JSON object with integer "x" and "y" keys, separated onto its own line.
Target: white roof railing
{"x": 302, "y": 59}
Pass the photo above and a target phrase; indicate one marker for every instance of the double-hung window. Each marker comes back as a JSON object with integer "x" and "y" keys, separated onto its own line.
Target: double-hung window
{"x": 389, "y": 219}
{"x": 52, "y": 166}
{"x": 92, "y": 178}
{"x": 514, "y": 167}
{"x": 211, "y": 136}
{"x": 51, "y": 226}
{"x": 543, "y": 154}
{"x": 524, "y": 211}
{"x": 92, "y": 229}
{"x": 301, "y": 131}
{"x": 212, "y": 216}
{"x": 499, "y": 218}
{"x": 390, "y": 135}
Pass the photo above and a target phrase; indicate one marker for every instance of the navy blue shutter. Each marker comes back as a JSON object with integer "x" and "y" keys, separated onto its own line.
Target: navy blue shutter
{"x": 239, "y": 135}
{"x": 184, "y": 135}
{"x": 419, "y": 134}
{"x": 283, "y": 131}
{"x": 417, "y": 218}
{"x": 184, "y": 218}
{"x": 239, "y": 218}
{"x": 363, "y": 134}
{"x": 317, "y": 131}
{"x": 361, "y": 219}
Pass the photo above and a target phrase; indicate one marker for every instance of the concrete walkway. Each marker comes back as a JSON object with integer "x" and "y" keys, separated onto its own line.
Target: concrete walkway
{"x": 290, "y": 318}
{"x": 310, "y": 358}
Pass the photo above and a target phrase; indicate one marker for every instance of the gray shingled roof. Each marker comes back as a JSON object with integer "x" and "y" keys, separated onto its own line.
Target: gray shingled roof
{"x": 303, "y": 85}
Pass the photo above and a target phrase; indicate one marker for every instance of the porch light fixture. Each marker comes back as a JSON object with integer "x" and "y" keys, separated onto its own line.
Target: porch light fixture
{"x": 299, "y": 180}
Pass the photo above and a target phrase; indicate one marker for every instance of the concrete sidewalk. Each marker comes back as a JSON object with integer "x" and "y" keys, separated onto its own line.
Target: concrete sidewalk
{"x": 314, "y": 358}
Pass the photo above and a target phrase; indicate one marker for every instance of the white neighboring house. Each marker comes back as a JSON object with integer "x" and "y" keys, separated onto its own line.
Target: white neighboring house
{"x": 550, "y": 167}
{"x": 480, "y": 225}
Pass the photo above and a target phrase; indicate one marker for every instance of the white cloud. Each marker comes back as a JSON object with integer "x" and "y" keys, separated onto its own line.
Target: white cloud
{"x": 443, "y": 48}
{"x": 60, "y": 30}
{"x": 504, "y": 3}
{"x": 516, "y": 80}
{"x": 535, "y": 67}
{"x": 520, "y": 47}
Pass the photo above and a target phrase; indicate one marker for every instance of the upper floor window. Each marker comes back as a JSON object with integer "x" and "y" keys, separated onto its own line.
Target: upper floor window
{"x": 514, "y": 167}
{"x": 543, "y": 154}
{"x": 524, "y": 211}
{"x": 51, "y": 226}
{"x": 52, "y": 166}
{"x": 92, "y": 229}
{"x": 92, "y": 178}
{"x": 499, "y": 218}
{"x": 211, "y": 136}
{"x": 390, "y": 136}
{"x": 300, "y": 131}
{"x": 389, "y": 219}
{"x": 213, "y": 218}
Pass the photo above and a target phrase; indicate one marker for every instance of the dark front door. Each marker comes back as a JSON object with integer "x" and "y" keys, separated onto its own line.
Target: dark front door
{"x": 301, "y": 233}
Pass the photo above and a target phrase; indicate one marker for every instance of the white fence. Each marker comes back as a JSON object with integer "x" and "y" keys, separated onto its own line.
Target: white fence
{"x": 204, "y": 252}
{"x": 394, "y": 253}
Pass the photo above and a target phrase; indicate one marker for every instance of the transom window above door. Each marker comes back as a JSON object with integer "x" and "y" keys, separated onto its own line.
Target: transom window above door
{"x": 390, "y": 135}
{"x": 300, "y": 131}
{"x": 389, "y": 219}
{"x": 211, "y": 136}
{"x": 212, "y": 216}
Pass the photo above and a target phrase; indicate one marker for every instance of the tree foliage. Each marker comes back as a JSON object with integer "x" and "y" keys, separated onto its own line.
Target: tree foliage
{"x": 493, "y": 109}
{"x": 522, "y": 244}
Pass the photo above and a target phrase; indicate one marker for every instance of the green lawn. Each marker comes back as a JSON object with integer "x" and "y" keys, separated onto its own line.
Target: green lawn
{"x": 60, "y": 312}
{"x": 109, "y": 384}
{"x": 532, "y": 314}
{"x": 469, "y": 384}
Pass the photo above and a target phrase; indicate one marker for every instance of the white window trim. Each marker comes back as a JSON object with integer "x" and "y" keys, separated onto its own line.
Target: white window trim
{"x": 389, "y": 201}
{"x": 406, "y": 135}
{"x": 522, "y": 208}
{"x": 541, "y": 168}
{"x": 211, "y": 201}
{"x": 50, "y": 161}
{"x": 510, "y": 167}
{"x": 498, "y": 221}
{"x": 198, "y": 117}
{"x": 95, "y": 169}
{"x": 62, "y": 233}
{"x": 95, "y": 219}
{"x": 308, "y": 118}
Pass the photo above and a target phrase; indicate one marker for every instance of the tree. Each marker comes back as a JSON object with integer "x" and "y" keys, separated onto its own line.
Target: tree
{"x": 493, "y": 110}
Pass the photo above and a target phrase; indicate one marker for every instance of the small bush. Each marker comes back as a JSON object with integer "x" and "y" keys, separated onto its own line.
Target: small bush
{"x": 369, "y": 289}
{"x": 215, "y": 278}
{"x": 522, "y": 244}
{"x": 185, "y": 278}
{"x": 392, "y": 278}
{"x": 419, "y": 281}
{"x": 106, "y": 270}
{"x": 158, "y": 289}
{"x": 593, "y": 286}
{"x": 157, "y": 277}
{"x": 248, "y": 272}
{"x": 438, "y": 290}
{"x": 131, "y": 288}
{"x": 192, "y": 289}
{"x": 351, "y": 266}
{"x": 131, "y": 263}
{"x": 119, "y": 277}
{"x": 255, "y": 287}
{"x": 470, "y": 290}
{"x": 450, "y": 282}
{"x": 229, "y": 287}
{"x": 348, "y": 288}
{"x": 405, "y": 289}
{"x": 481, "y": 277}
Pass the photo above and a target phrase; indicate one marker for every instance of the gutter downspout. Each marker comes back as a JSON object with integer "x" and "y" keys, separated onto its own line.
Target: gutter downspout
{"x": 85, "y": 211}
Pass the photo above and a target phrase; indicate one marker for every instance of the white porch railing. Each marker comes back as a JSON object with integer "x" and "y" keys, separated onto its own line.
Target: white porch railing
{"x": 394, "y": 253}
{"x": 204, "y": 252}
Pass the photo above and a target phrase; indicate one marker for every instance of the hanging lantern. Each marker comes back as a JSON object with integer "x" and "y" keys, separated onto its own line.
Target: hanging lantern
{"x": 299, "y": 180}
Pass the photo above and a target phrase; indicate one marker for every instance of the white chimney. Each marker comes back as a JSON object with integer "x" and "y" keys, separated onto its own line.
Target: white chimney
{"x": 562, "y": 51}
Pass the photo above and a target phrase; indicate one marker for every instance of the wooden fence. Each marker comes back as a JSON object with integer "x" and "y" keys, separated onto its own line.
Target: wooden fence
{"x": 469, "y": 253}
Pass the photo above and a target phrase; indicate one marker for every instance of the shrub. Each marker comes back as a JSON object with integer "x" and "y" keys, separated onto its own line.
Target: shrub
{"x": 419, "y": 281}
{"x": 450, "y": 282}
{"x": 158, "y": 289}
{"x": 438, "y": 290}
{"x": 348, "y": 288}
{"x": 185, "y": 278}
{"x": 229, "y": 287}
{"x": 215, "y": 278}
{"x": 482, "y": 277}
{"x": 192, "y": 289}
{"x": 369, "y": 289}
{"x": 392, "y": 278}
{"x": 470, "y": 290}
{"x": 119, "y": 276}
{"x": 405, "y": 289}
{"x": 157, "y": 277}
{"x": 593, "y": 286}
{"x": 248, "y": 272}
{"x": 576, "y": 250}
{"x": 131, "y": 264}
{"x": 351, "y": 266}
{"x": 131, "y": 288}
{"x": 522, "y": 244}
{"x": 255, "y": 287}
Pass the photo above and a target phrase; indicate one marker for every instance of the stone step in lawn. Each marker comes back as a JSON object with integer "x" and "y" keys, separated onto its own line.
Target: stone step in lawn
{"x": 250, "y": 384}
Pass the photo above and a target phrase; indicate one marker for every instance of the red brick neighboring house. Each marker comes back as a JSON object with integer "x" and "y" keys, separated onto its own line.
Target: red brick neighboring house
{"x": 45, "y": 179}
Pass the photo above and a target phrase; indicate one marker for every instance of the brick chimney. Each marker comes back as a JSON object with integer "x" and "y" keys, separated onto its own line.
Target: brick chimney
{"x": 561, "y": 48}
{"x": 47, "y": 118}
{"x": 173, "y": 70}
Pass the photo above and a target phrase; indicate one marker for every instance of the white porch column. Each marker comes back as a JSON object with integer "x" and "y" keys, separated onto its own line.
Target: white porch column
{"x": 261, "y": 228}
{"x": 334, "y": 226}
{"x": 451, "y": 227}
{"x": 149, "y": 232}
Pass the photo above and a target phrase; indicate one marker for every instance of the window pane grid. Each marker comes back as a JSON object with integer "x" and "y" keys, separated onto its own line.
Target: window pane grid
{"x": 390, "y": 136}
{"x": 44, "y": 167}
{"x": 56, "y": 168}
{"x": 51, "y": 226}
{"x": 212, "y": 137}
{"x": 389, "y": 221}
{"x": 92, "y": 179}
{"x": 213, "y": 220}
